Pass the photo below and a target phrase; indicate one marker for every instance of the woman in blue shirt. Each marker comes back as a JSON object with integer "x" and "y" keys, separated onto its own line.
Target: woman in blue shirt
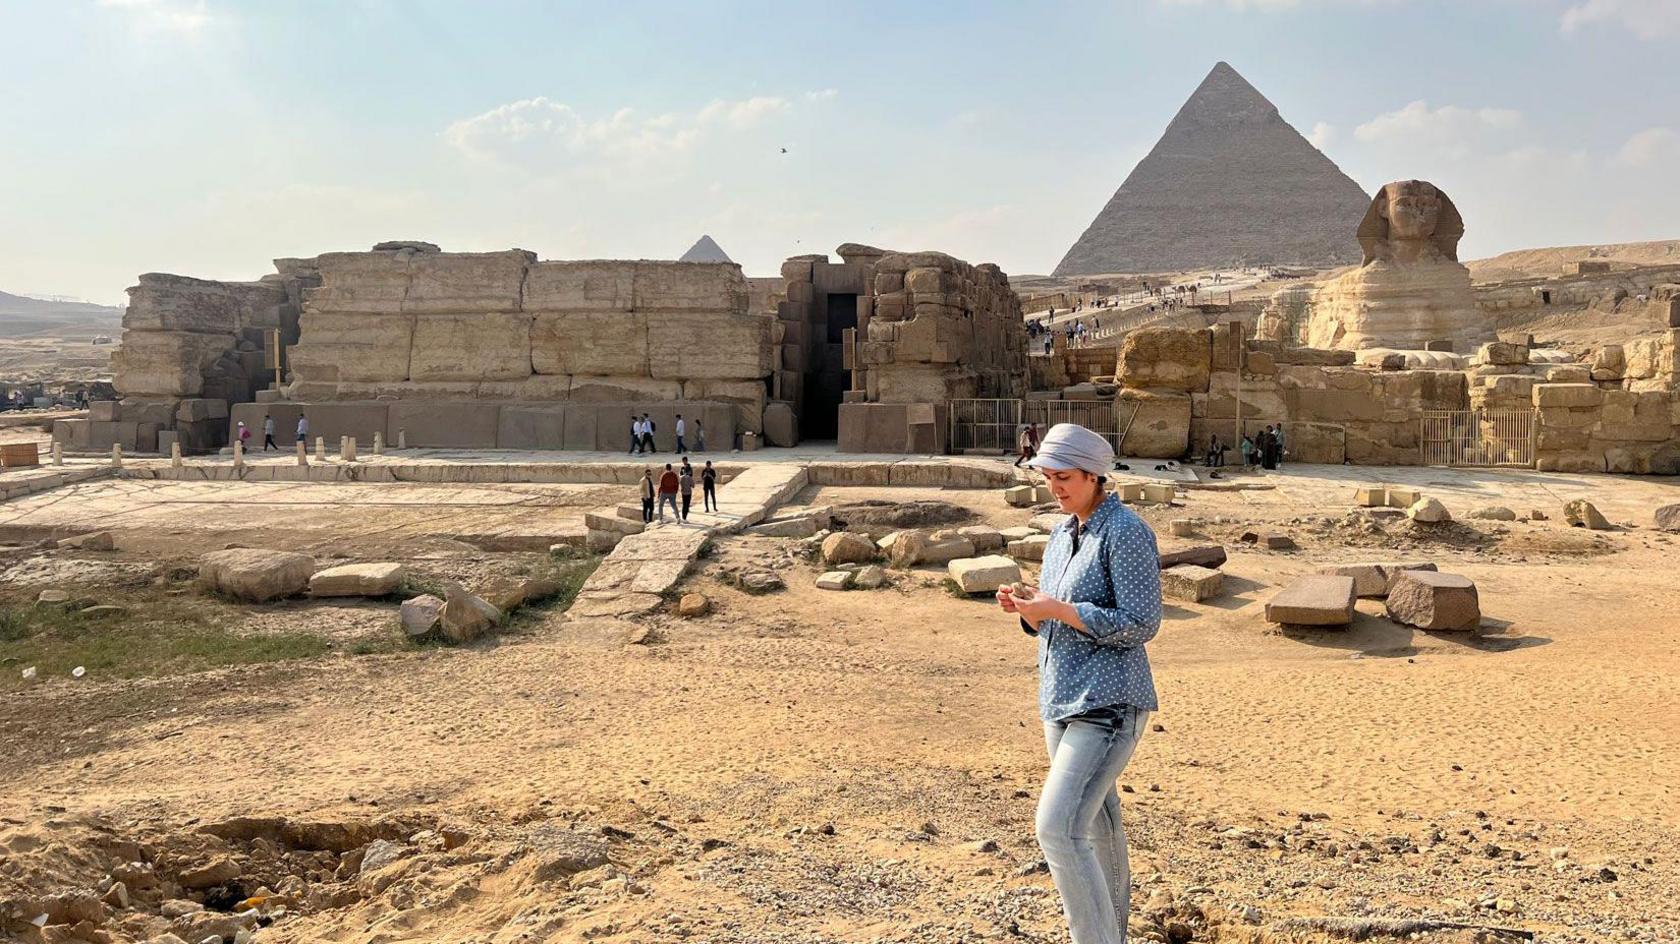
{"x": 1097, "y": 603}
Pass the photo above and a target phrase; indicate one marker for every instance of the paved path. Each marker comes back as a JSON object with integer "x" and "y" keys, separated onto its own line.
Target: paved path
{"x": 636, "y": 574}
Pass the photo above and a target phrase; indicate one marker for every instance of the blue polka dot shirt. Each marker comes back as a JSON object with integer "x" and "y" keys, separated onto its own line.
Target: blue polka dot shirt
{"x": 1113, "y": 580}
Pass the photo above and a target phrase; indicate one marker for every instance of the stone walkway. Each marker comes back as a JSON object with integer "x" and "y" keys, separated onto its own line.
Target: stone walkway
{"x": 636, "y": 574}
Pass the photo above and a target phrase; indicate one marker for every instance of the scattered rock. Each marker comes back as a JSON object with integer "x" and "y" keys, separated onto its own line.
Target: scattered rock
{"x": 1029, "y": 549}
{"x": 983, "y": 574}
{"x": 1434, "y": 601}
{"x": 1278, "y": 542}
{"x": 1211, "y": 556}
{"x": 254, "y": 574}
{"x": 835, "y": 580}
{"x": 1428, "y": 511}
{"x": 380, "y": 853}
{"x": 1581, "y": 513}
{"x": 793, "y": 526}
{"x": 510, "y": 593}
{"x": 52, "y": 597}
{"x": 1371, "y": 579}
{"x": 845, "y": 547}
{"x": 1182, "y": 527}
{"x": 1021, "y": 496}
{"x": 1319, "y": 600}
{"x": 97, "y": 541}
{"x": 179, "y": 907}
{"x": 101, "y": 611}
{"x": 1537, "y": 515}
{"x": 465, "y": 616}
{"x": 985, "y": 539}
{"x": 1493, "y": 513}
{"x": 1190, "y": 583}
{"x": 357, "y": 580}
{"x": 218, "y": 871}
{"x": 421, "y": 614}
{"x": 761, "y": 581}
{"x": 1667, "y": 518}
{"x": 869, "y": 577}
{"x": 693, "y": 605}
{"x": 1046, "y": 523}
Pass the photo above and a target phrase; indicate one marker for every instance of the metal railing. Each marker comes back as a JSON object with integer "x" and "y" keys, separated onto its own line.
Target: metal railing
{"x": 1494, "y": 438}
{"x": 986, "y": 424}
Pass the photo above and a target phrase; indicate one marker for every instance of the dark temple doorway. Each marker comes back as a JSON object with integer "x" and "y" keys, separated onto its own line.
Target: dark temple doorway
{"x": 828, "y": 380}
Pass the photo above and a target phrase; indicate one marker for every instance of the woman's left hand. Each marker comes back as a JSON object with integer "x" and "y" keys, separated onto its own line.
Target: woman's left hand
{"x": 1036, "y": 607}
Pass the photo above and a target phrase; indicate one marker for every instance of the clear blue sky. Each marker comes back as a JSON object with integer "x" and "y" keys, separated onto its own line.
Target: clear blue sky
{"x": 207, "y": 138}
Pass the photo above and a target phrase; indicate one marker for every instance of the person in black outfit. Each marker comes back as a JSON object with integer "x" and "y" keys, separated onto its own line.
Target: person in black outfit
{"x": 708, "y": 487}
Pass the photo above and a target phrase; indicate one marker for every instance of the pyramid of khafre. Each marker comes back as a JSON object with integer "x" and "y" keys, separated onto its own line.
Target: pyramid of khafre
{"x": 705, "y": 250}
{"x": 1230, "y": 182}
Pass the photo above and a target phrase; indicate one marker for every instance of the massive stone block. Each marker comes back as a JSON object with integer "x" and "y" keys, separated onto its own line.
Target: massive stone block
{"x": 718, "y": 344}
{"x": 602, "y": 343}
{"x": 591, "y": 285}
{"x": 160, "y": 364}
{"x": 689, "y": 286}
{"x": 374, "y": 282}
{"x": 475, "y": 282}
{"x": 461, "y": 425}
{"x": 163, "y": 302}
{"x": 624, "y": 389}
{"x": 352, "y": 346}
{"x": 480, "y": 346}
{"x": 1165, "y": 359}
{"x": 1161, "y": 426}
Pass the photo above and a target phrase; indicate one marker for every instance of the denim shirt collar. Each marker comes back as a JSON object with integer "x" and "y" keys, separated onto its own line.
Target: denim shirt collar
{"x": 1100, "y": 517}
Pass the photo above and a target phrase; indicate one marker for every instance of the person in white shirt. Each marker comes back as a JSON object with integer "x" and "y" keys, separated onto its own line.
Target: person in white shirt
{"x": 303, "y": 428}
{"x": 635, "y": 434}
{"x": 681, "y": 428}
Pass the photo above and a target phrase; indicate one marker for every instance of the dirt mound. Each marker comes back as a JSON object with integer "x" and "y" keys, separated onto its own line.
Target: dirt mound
{"x": 884, "y": 516}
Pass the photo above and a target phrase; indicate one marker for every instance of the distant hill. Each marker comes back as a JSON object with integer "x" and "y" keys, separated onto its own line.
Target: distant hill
{"x": 1548, "y": 262}
{"x": 22, "y": 316}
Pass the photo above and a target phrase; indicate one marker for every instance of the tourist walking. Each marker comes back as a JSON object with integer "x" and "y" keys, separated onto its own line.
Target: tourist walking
{"x": 1097, "y": 603}
{"x": 1247, "y": 452}
{"x": 303, "y": 428}
{"x": 268, "y": 433}
{"x": 1268, "y": 449}
{"x": 647, "y": 432}
{"x": 1028, "y": 441}
{"x": 685, "y": 485}
{"x": 244, "y": 433}
{"x": 668, "y": 485}
{"x": 647, "y": 496}
{"x": 1216, "y": 452}
{"x": 635, "y": 435}
{"x": 681, "y": 431}
{"x": 1282, "y": 445}
{"x": 699, "y": 435}
{"x": 708, "y": 487}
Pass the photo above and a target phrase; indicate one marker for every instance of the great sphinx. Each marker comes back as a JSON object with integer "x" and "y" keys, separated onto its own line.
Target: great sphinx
{"x": 1410, "y": 288}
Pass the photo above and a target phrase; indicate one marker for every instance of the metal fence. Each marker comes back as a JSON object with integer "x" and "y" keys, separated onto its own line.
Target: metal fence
{"x": 1476, "y": 438}
{"x": 985, "y": 424}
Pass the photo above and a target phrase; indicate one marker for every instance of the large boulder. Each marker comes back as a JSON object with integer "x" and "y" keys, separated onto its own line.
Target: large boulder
{"x": 1581, "y": 513}
{"x": 983, "y": 574}
{"x": 465, "y": 616}
{"x": 357, "y": 580}
{"x": 1428, "y": 511}
{"x": 1372, "y": 579}
{"x": 254, "y": 574}
{"x": 1430, "y": 600}
{"x": 1165, "y": 358}
{"x": 845, "y": 547}
{"x": 1190, "y": 582}
{"x": 420, "y": 615}
{"x": 1667, "y": 518}
{"x": 1319, "y": 600}
{"x": 1159, "y": 423}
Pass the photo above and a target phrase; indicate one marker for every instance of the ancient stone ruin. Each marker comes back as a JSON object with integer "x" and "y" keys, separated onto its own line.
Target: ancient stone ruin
{"x": 1229, "y": 183}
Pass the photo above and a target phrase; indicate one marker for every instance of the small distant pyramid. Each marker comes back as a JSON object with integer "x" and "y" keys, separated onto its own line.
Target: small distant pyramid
{"x": 1229, "y": 183}
{"x": 706, "y": 250}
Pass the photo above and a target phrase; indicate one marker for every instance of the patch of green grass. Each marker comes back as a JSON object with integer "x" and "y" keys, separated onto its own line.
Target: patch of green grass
{"x": 157, "y": 636}
{"x": 955, "y": 589}
{"x": 414, "y": 585}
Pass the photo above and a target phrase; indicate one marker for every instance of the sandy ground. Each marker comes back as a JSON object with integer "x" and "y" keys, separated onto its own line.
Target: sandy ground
{"x": 811, "y": 767}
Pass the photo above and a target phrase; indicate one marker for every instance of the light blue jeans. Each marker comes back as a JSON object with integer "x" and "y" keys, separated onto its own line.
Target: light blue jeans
{"x": 1079, "y": 820}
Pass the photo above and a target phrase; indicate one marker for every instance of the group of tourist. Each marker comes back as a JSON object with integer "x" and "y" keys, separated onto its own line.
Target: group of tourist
{"x": 673, "y": 483}
{"x": 642, "y": 429}
{"x": 1265, "y": 450}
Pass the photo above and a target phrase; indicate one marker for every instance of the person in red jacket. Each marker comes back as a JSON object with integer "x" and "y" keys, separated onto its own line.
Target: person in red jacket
{"x": 668, "y": 484}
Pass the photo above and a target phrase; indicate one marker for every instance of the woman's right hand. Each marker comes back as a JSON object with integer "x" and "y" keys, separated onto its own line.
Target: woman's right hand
{"x": 1006, "y": 598}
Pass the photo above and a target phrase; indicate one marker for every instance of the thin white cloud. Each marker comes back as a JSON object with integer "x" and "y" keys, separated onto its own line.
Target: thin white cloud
{"x": 1323, "y": 133}
{"x": 551, "y": 137}
{"x": 821, "y": 95}
{"x": 175, "y": 17}
{"x": 745, "y": 113}
{"x": 1650, "y": 147}
{"x": 1647, "y": 19}
{"x": 1449, "y": 129}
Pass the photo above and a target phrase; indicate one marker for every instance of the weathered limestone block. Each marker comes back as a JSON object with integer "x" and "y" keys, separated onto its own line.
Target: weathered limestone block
{"x": 587, "y": 285}
{"x": 983, "y": 574}
{"x": 708, "y": 345}
{"x": 254, "y": 574}
{"x": 357, "y": 580}
{"x": 1319, "y": 600}
{"x": 1161, "y": 427}
{"x": 479, "y": 283}
{"x": 923, "y": 383}
{"x": 1502, "y": 353}
{"x": 1435, "y": 601}
{"x": 163, "y": 302}
{"x": 159, "y": 364}
{"x": 1567, "y": 395}
{"x": 1581, "y": 513}
{"x": 366, "y": 282}
{"x": 1191, "y": 583}
{"x": 601, "y": 343}
{"x": 1165, "y": 358}
{"x": 623, "y": 389}
{"x": 1261, "y": 398}
{"x": 781, "y": 426}
{"x": 690, "y": 286}
{"x": 480, "y": 346}
{"x": 337, "y": 346}
{"x": 1372, "y": 579}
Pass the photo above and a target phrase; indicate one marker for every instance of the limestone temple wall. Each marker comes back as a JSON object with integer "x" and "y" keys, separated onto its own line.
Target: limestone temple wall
{"x": 1618, "y": 412}
{"x": 191, "y": 347}
{"x": 931, "y": 329}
